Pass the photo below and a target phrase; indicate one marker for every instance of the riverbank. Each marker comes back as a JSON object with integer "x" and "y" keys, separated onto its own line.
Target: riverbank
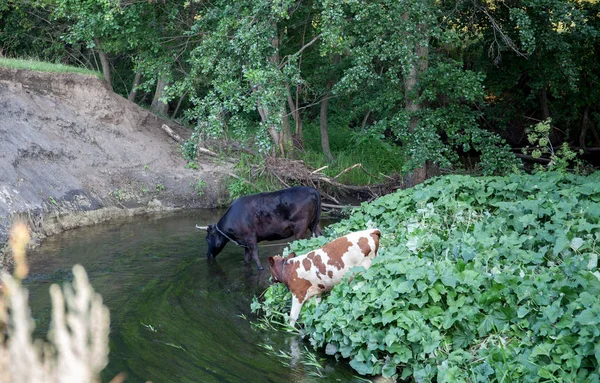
{"x": 73, "y": 153}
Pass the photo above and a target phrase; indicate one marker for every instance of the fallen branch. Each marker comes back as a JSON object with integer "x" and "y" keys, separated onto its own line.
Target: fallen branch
{"x": 171, "y": 133}
{"x": 533, "y": 159}
{"x": 319, "y": 169}
{"x": 347, "y": 170}
{"x": 338, "y": 206}
{"x": 207, "y": 152}
{"x": 282, "y": 181}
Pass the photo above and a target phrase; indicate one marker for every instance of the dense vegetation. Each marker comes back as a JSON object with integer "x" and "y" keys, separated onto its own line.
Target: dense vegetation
{"x": 477, "y": 279}
{"x": 436, "y": 82}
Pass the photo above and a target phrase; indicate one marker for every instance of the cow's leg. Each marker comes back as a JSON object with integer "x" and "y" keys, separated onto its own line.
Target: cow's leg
{"x": 254, "y": 252}
{"x": 296, "y": 307}
{"x": 316, "y": 230}
{"x": 247, "y": 255}
{"x": 299, "y": 231}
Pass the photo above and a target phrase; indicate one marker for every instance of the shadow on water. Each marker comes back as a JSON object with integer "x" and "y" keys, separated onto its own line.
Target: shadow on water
{"x": 175, "y": 316}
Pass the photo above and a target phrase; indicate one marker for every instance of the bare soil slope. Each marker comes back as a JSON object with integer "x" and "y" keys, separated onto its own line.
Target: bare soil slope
{"x": 74, "y": 153}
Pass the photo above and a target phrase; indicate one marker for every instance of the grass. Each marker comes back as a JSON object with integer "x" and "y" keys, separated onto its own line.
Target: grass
{"x": 43, "y": 66}
{"x": 348, "y": 147}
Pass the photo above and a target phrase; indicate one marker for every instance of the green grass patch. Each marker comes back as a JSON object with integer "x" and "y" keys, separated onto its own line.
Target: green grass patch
{"x": 478, "y": 279}
{"x": 377, "y": 156}
{"x": 43, "y": 66}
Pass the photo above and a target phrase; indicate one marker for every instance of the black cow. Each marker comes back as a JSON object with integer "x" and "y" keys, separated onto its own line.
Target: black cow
{"x": 266, "y": 217}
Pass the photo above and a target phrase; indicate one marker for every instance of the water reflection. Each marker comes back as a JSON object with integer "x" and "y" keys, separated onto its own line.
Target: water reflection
{"x": 175, "y": 316}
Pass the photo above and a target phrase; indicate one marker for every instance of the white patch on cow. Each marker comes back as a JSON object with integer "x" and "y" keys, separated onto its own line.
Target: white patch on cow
{"x": 321, "y": 282}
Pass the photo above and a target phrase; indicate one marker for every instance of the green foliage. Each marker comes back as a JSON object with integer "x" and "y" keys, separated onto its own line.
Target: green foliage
{"x": 160, "y": 187}
{"x": 118, "y": 194}
{"x": 377, "y": 155}
{"x": 199, "y": 186}
{"x": 248, "y": 180}
{"x": 561, "y": 159}
{"x": 239, "y": 188}
{"x": 477, "y": 279}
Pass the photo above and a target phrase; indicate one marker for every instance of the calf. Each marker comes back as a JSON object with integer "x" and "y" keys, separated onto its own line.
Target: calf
{"x": 318, "y": 271}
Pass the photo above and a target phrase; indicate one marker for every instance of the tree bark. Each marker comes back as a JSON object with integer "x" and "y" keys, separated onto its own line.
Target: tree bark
{"x": 295, "y": 112}
{"x": 275, "y": 136}
{"x": 583, "y": 130}
{"x": 134, "y": 87}
{"x": 178, "y": 104}
{"x": 286, "y": 130}
{"x": 323, "y": 123}
{"x": 157, "y": 105}
{"x": 323, "y": 116}
{"x": 282, "y": 138}
{"x": 105, "y": 64}
{"x": 411, "y": 81}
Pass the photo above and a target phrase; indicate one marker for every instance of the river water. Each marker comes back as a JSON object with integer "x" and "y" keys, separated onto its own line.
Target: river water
{"x": 175, "y": 317}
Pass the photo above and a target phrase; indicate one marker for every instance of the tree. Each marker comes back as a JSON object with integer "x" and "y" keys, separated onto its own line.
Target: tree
{"x": 401, "y": 42}
{"x": 250, "y": 79}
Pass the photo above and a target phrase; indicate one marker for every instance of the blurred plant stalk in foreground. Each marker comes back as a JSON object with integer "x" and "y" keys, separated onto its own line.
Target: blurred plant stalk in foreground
{"x": 78, "y": 337}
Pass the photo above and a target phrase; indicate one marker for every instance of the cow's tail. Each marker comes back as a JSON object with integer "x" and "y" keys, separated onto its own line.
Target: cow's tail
{"x": 315, "y": 227}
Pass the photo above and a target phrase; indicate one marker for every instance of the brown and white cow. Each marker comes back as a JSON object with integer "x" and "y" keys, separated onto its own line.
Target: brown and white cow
{"x": 319, "y": 270}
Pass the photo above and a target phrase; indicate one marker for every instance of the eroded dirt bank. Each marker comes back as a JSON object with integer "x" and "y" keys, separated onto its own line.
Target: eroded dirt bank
{"x": 73, "y": 153}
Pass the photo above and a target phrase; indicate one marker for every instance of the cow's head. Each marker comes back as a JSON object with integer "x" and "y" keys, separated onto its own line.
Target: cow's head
{"x": 215, "y": 240}
{"x": 276, "y": 265}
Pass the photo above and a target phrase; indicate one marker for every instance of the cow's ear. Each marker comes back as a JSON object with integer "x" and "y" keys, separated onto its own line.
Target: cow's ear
{"x": 291, "y": 255}
{"x": 271, "y": 261}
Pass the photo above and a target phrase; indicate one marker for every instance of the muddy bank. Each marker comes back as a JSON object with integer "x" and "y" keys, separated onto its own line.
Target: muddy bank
{"x": 73, "y": 153}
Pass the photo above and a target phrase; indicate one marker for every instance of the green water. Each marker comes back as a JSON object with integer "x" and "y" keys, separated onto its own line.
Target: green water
{"x": 175, "y": 317}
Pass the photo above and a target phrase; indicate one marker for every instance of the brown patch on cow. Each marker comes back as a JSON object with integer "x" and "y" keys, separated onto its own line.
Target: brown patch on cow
{"x": 298, "y": 286}
{"x": 335, "y": 250}
{"x": 330, "y": 274}
{"x": 317, "y": 261}
{"x": 322, "y": 287}
{"x": 306, "y": 263}
{"x": 375, "y": 235}
{"x": 363, "y": 245}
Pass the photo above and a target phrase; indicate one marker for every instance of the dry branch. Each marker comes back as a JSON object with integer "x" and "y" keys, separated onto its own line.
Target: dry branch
{"x": 338, "y": 206}
{"x": 286, "y": 170}
{"x": 171, "y": 133}
{"x": 207, "y": 152}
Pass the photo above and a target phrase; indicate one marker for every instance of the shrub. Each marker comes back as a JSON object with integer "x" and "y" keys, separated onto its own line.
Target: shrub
{"x": 477, "y": 279}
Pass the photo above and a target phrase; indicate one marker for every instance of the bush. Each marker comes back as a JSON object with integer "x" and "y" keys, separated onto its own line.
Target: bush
{"x": 477, "y": 279}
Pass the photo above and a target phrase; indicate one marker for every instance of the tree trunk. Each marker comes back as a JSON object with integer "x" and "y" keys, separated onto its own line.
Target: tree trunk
{"x": 419, "y": 175}
{"x": 286, "y": 130}
{"x": 275, "y": 135}
{"x": 134, "y": 88}
{"x": 584, "y": 125}
{"x": 179, "y": 104}
{"x": 294, "y": 111}
{"x": 323, "y": 123}
{"x": 157, "y": 105}
{"x": 283, "y": 138}
{"x": 105, "y": 64}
